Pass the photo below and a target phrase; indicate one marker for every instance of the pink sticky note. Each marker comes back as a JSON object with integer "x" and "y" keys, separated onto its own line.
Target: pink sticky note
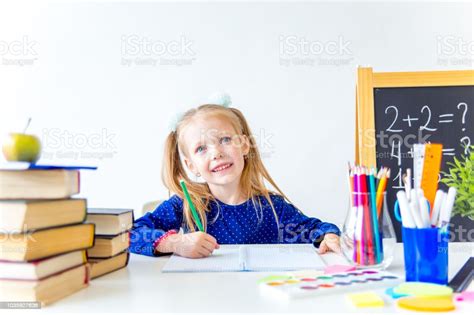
{"x": 465, "y": 296}
{"x": 338, "y": 268}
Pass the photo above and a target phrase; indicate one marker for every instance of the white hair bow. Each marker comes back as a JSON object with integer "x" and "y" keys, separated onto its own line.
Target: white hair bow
{"x": 218, "y": 98}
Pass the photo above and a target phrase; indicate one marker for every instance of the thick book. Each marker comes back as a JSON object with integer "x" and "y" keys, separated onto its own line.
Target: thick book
{"x": 110, "y": 221}
{"x": 107, "y": 246}
{"x": 258, "y": 257}
{"x": 19, "y": 216}
{"x": 103, "y": 266}
{"x": 41, "y": 268}
{"x": 39, "y": 184}
{"x": 46, "y": 290}
{"x": 46, "y": 243}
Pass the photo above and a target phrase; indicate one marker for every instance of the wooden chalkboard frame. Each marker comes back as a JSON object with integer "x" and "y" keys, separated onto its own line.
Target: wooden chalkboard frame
{"x": 367, "y": 81}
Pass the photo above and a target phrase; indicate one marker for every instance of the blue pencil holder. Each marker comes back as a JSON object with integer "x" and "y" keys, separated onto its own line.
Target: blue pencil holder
{"x": 426, "y": 254}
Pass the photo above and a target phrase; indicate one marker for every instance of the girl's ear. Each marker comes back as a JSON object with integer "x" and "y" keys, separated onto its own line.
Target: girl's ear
{"x": 245, "y": 145}
{"x": 189, "y": 165}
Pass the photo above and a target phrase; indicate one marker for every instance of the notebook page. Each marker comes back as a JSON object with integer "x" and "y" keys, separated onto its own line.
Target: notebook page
{"x": 282, "y": 257}
{"x": 226, "y": 258}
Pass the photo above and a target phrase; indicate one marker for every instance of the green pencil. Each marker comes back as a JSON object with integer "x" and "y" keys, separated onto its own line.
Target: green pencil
{"x": 375, "y": 222}
{"x": 191, "y": 205}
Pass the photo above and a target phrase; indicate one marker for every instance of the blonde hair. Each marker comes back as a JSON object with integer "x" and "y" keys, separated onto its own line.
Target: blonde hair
{"x": 252, "y": 180}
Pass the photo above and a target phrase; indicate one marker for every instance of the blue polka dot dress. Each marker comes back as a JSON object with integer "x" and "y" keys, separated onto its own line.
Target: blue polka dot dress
{"x": 247, "y": 223}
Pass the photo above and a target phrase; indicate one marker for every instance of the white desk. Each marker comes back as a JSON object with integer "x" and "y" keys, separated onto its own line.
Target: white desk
{"x": 142, "y": 287}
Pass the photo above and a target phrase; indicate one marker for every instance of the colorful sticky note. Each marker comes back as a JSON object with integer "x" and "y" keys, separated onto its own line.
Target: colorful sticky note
{"x": 366, "y": 299}
{"x": 426, "y": 304}
{"x": 467, "y": 296}
{"x": 338, "y": 269}
{"x": 274, "y": 278}
{"x": 422, "y": 289}
{"x": 392, "y": 294}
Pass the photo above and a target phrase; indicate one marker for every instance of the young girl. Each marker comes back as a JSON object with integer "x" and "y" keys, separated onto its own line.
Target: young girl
{"x": 215, "y": 143}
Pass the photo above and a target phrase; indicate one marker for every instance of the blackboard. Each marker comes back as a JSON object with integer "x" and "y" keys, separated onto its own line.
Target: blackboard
{"x": 394, "y": 110}
{"x": 404, "y": 116}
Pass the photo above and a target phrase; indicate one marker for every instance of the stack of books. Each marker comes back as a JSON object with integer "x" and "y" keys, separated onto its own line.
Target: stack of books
{"x": 112, "y": 239}
{"x": 43, "y": 235}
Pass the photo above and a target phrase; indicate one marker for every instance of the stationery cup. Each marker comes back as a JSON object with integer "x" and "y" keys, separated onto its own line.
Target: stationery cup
{"x": 368, "y": 237}
{"x": 426, "y": 254}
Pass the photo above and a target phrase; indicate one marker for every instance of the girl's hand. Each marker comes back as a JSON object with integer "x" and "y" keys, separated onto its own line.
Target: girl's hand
{"x": 330, "y": 243}
{"x": 191, "y": 245}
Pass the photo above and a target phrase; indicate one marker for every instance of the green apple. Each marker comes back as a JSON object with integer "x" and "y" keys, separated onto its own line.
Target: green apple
{"x": 21, "y": 147}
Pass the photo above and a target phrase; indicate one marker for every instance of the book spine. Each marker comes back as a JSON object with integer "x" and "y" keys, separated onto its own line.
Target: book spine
{"x": 87, "y": 273}
{"x": 85, "y": 210}
{"x": 128, "y": 258}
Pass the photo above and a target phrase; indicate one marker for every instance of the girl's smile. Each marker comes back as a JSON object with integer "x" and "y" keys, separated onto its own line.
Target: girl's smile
{"x": 222, "y": 167}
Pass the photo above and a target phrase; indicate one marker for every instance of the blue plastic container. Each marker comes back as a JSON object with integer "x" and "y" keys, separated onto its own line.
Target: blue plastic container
{"x": 426, "y": 255}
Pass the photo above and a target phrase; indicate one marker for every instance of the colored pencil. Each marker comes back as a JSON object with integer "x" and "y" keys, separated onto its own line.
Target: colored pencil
{"x": 353, "y": 209}
{"x": 191, "y": 205}
{"x": 367, "y": 241}
{"x": 369, "y": 228}
{"x": 360, "y": 218}
{"x": 381, "y": 190}
{"x": 374, "y": 217}
{"x": 355, "y": 197}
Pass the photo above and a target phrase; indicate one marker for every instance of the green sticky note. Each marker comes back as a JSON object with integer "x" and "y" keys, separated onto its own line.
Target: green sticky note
{"x": 422, "y": 289}
{"x": 366, "y": 299}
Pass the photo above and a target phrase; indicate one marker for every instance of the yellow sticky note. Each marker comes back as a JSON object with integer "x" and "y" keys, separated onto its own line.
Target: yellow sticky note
{"x": 427, "y": 304}
{"x": 366, "y": 299}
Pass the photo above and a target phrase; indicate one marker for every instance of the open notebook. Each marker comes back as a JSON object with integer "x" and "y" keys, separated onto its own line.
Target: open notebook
{"x": 265, "y": 257}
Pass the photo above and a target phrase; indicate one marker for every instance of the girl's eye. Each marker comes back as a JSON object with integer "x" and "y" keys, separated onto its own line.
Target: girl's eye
{"x": 225, "y": 140}
{"x": 200, "y": 149}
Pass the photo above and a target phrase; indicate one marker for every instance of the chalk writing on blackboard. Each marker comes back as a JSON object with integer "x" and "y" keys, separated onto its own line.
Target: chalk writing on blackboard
{"x": 420, "y": 115}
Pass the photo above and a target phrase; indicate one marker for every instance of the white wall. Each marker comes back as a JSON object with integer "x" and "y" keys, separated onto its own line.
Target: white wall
{"x": 76, "y": 82}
